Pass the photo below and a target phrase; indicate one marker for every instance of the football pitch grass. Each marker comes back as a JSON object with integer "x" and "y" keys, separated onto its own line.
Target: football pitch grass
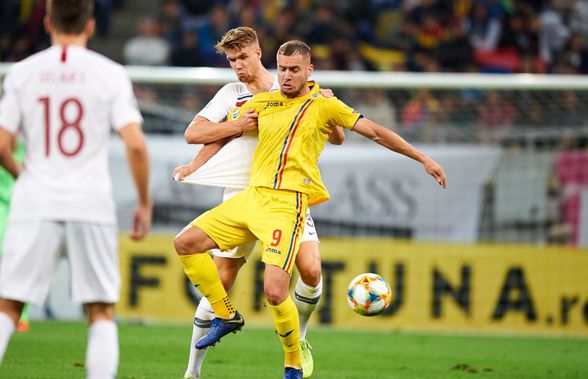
{"x": 57, "y": 350}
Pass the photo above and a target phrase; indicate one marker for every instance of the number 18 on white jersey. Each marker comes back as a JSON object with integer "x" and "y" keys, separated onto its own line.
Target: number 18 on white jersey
{"x": 64, "y": 102}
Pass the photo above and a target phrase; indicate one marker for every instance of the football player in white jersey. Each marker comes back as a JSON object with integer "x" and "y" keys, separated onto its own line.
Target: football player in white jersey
{"x": 211, "y": 127}
{"x": 64, "y": 101}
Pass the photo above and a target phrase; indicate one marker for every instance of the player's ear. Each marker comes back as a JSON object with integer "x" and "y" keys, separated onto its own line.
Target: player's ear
{"x": 310, "y": 69}
{"x": 47, "y": 24}
{"x": 258, "y": 52}
{"x": 90, "y": 27}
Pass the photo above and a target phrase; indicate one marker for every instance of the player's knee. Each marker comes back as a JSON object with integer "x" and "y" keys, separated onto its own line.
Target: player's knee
{"x": 185, "y": 245}
{"x": 274, "y": 295}
{"x": 311, "y": 276}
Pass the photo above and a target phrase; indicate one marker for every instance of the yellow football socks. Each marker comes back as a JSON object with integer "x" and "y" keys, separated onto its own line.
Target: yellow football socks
{"x": 288, "y": 329}
{"x": 201, "y": 270}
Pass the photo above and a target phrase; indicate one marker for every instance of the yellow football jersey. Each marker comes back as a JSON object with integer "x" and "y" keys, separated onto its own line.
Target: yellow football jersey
{"x": 292, "y": 135}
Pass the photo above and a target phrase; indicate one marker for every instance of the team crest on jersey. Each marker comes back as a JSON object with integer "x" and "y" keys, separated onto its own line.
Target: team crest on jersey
{"x": 235, "y": 114}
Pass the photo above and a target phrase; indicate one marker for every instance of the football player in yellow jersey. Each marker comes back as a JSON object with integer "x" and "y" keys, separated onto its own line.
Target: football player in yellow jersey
{"x": 294, "y": 124}
{"x": 209, "y": 127}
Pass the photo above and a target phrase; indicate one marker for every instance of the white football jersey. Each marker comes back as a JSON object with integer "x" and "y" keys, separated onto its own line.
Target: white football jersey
{"x": 63, "y": 101}
{"x": 231, "y": 166}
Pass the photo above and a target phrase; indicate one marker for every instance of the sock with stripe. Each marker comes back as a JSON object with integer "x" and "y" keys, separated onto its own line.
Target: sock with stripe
{"x": 286, "y": 323}
{"x": 306, "y": 299}
{"x": 202, "y": 271}
{"x": 204, "y": 314}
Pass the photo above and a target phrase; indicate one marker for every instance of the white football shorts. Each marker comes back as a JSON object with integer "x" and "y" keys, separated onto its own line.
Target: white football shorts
{"x": 309, "y": 234}
{"x": 33, "y": 249}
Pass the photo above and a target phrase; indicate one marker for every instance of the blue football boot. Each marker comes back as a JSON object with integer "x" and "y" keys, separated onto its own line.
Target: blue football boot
{"x": 219, "y": 328}
{"x": 292, "y": 373}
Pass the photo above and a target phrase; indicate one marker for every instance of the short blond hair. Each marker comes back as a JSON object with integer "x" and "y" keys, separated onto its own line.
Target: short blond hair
{"x": 294, "y": 47}
{"x": 236, "y": 39}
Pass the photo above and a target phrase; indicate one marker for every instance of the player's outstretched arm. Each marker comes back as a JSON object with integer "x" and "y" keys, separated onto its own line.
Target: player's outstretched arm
{"x": 394, "y": 142}
{"x": 6, "y": 160}
{"x": 204, "y": 154}
{"x": 204, "y": 131}
{"x": 132, "y": 136}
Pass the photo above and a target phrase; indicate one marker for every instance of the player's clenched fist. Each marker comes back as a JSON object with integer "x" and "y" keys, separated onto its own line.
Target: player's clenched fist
{"x": 182, "y": 171}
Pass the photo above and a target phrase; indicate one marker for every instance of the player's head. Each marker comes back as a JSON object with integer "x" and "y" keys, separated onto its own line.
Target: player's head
{"x": 241, "y": 47}
{"x": 294, "y": 68}
{"x": 70, "y": 17}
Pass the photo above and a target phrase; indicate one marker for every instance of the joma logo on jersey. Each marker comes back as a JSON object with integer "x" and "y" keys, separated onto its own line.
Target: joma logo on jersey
{"x": 272, "y": 250}
{"x": 273, "y": 104}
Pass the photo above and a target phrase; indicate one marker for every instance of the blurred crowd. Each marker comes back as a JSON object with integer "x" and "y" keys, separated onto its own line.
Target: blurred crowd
{"x": 21, "y": 26}
{"x": 399, "y": 35}
{"x": 534, "y": 36}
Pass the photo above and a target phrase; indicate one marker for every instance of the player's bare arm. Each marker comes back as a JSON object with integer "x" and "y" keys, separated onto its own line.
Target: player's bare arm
{"x": 204, "y": 131}
{"x": 132, "y": 136}
{"x": 204, "y": 154}
{"x": 394, "y": 142}
{"x": 7, "y": 141}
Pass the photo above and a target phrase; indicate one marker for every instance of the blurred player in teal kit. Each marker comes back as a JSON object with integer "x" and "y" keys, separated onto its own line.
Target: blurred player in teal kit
{"x": 6, "y": 185}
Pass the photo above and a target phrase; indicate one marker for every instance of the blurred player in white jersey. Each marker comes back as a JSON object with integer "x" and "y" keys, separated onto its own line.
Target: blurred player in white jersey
{"x": 211, "y": 127}
{"x": 64, "y": 101}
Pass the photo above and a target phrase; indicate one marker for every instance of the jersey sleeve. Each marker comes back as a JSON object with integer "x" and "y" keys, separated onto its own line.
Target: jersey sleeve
{"x": 10, "y": 115}
{"x": 340, "y": 114}
{"x": 124, "y": 108}
{"x": 219, "y": 108}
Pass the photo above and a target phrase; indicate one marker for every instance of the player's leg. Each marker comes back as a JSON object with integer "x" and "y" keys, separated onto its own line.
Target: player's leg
{"x": 276, "y": 285}
{"x": 92, "y": 251}
{"x": 191, "y": 246}
{"x": 228, "y": 269}
{"x": 31, "y": 254}
{"x": 102, "y": 347}
{"x": 279, "y": 230}
{"x": 307, "y": 294}
{"x": 223, "y": 227}
{"x": 202, "y": 320}
{"x": 308, "y": 288}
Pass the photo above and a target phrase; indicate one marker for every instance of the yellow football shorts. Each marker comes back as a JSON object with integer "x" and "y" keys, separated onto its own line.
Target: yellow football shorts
{"x": 274, "y": 217}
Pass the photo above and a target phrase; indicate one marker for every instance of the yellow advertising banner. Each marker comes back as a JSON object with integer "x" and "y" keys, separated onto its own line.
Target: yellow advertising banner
{"x": 435, "y": 287}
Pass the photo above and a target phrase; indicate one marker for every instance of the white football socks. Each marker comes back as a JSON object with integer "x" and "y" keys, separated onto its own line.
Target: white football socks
{"x": 6, "y": 331}
{"x": 306, "y": 299}
{"x": 102, "y": 350}
{"x": 204, "y": 314}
